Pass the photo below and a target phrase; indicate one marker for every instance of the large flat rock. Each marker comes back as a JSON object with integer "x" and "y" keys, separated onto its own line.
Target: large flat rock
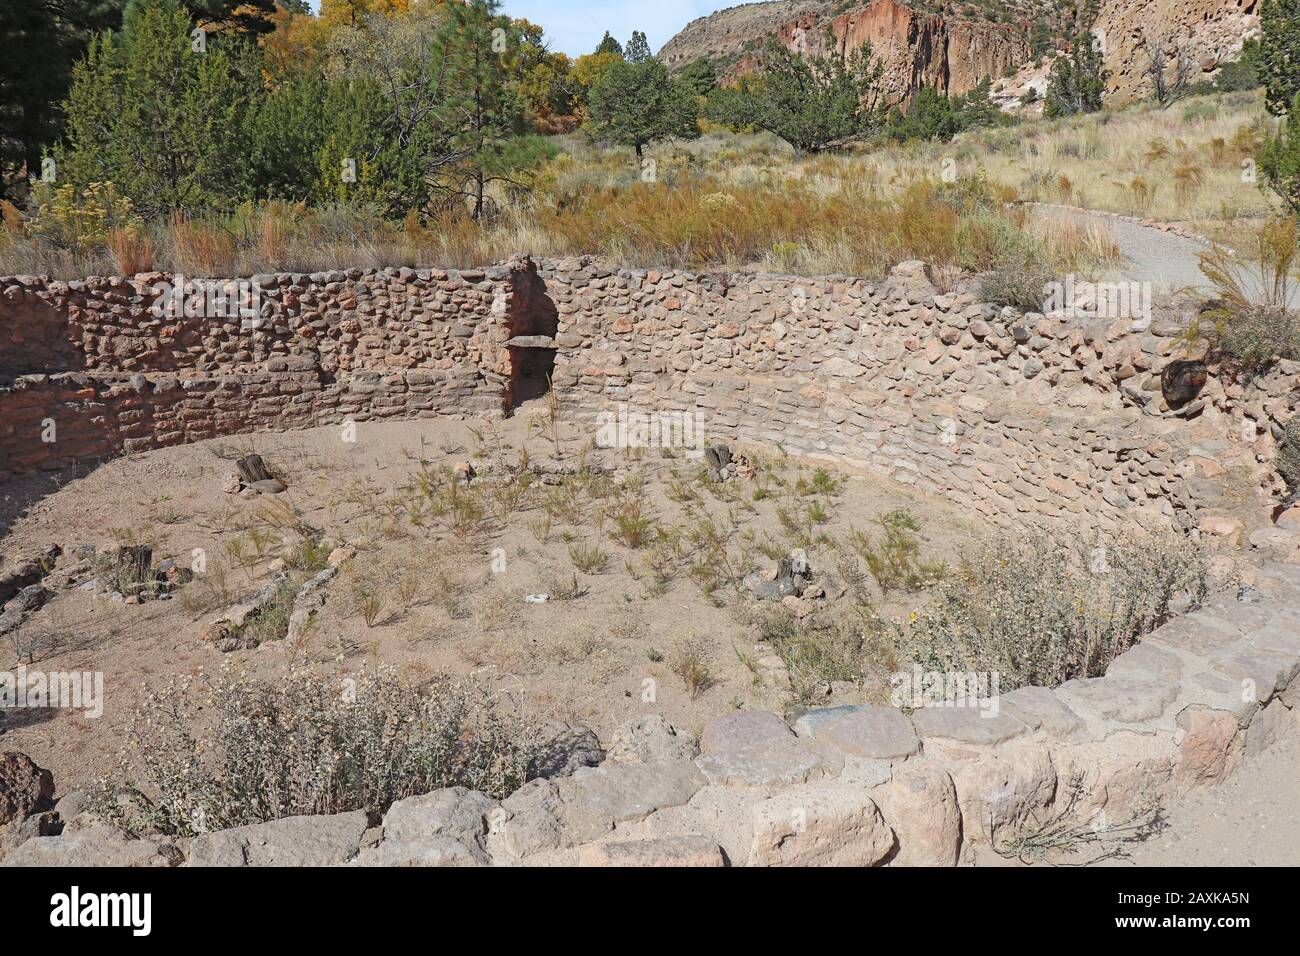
{"x": 967, "y": 725}
{"x": 1041, "y": 710}
{"x": 746, "y": 728}
{"x": 293, "y": 841}
{"x": 788, "y": 760}
{"x": 882, "y": 733}
{"x": 1120, "y": 700}
{"x": 96, "y": 846}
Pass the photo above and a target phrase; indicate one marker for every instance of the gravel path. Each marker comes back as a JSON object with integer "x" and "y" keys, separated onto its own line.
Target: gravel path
{"x": 1252, "y": 819}
{"x": 1169, "y": 262}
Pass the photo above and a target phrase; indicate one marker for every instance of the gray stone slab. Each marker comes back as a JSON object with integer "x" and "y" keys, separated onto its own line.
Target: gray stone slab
{"x": 785, "y": 761}
{"x": 1041, "y": 710}
{"x": 883, "y": 733}
{"x": 744, "y": 728}
{"x": 967, "y": 725}
{"x": 1146, "y": 660}
{"x": 293, "y": 841}
{"x": 1119, "y": 699}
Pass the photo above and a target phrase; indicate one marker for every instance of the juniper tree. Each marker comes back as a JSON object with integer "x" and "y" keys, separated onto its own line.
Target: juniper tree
{"x": 813, "y": 102}
{"x": 636, "y": 104}
{"x": 1279, "y": 22}
{"x": 1077, "y": 81}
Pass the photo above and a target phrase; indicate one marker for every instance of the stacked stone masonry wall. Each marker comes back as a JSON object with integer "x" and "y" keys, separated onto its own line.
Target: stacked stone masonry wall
{"x": 1022, "y": 417}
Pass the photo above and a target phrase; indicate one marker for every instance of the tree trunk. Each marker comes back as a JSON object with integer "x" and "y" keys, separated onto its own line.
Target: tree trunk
{"x": 252, "y": 469}
{"x": 134, "y": 563}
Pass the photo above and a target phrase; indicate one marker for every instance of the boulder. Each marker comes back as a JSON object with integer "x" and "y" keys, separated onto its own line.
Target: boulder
{"x": 821, "y": 825}
{"x": 563, "y": 749}
{"x": 920, "y": 805}
{"x": 548, "y": 815}
{"x": 1209, "y": 745}
{"x": 98, "y": 846}
{"x": 292, "y": 841}
{"x": 25, "y": 788}
{"x": 649, "y": 739}
{"x": 444, "y": 828}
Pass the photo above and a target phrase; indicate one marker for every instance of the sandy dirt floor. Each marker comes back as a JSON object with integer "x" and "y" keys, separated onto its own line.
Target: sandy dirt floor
{"x": 448, "y": 594}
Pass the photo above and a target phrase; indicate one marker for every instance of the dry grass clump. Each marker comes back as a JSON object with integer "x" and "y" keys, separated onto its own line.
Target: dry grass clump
{"x": 691, "y": 664}
{"x": 229, "y": 752}
{"x": 843, "y": 219}
{"x": 1253, "y": 322}
{"x": 1040, "y": 611}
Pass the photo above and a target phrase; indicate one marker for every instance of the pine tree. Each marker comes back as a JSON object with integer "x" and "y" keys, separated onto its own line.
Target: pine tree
{"x": 482, "y": 113}
{"x": 609, "y": 45}
{"x": 637, "y": 49}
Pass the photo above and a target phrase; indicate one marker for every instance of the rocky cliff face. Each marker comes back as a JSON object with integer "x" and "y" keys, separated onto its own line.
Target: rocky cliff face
{"x": 1212, "y": 30}
{"x": 726, "y": 33}
{"x": 930, "y": 46}
{"x": 917, "y": 48}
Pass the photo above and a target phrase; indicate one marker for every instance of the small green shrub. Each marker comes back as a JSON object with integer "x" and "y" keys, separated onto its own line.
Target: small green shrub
{"x": 817, "y": 653}
{"x": 633, "y": 526}
{"x": 588, "y": 558}
{"x": 895, "y": 560}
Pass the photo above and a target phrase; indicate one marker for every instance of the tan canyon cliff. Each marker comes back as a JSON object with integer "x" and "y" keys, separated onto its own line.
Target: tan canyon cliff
{"x": 953, "y": 51}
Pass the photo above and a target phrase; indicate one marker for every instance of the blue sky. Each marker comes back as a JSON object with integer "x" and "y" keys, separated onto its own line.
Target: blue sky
{"x": 576, "y": 26}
